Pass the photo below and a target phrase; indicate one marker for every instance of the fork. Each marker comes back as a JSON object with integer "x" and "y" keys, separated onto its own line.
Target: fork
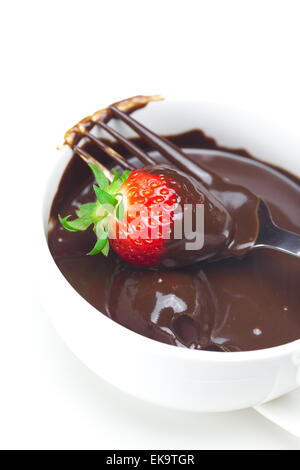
{"x": 269, "y": 234}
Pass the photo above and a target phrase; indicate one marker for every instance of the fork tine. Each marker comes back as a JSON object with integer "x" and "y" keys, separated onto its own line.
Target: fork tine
{"x": 170, "y": 151}
{"x": 140, "y": 154}
{"x": 108, "y": 150}
{"x": 87, "y": 158}
{"x": 128, "y": 105}
{"x": 85, "y": 126}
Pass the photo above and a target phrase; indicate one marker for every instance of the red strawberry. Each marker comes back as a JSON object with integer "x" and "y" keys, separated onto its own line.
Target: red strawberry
{"x": 149, "y": 206}
{"x": 136, "y": 215}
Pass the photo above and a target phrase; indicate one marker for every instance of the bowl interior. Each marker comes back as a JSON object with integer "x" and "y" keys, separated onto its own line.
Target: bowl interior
{"x": 231, "y": 127}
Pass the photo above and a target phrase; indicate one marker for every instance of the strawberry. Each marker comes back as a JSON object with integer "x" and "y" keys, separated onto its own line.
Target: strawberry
{"x": 140, "y": 240}
{"x": 136, "y": 215}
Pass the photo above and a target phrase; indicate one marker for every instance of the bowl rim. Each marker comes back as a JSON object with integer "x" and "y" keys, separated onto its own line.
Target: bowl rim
{"x": 157, "y": 347}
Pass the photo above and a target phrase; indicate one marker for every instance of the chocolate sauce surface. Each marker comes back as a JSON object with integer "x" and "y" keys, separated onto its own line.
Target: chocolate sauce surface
{"x": 227, "y": 305}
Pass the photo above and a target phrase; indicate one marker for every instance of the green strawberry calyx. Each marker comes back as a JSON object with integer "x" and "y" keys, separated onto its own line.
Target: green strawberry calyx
{"x": 98, "y": 212}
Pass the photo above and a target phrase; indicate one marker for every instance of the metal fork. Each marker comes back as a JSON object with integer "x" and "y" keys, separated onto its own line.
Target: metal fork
{"x": 269, "y": 234}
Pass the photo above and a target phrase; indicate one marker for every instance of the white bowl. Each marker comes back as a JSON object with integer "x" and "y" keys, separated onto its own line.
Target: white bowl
{"x": 163, "y": 374}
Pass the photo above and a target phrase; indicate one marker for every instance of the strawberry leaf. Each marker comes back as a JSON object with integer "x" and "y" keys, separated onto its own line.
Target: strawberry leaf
{"x": 120, "y": 211}
{"x": 101, "y": 230}
{"x": 125, "y": 175}
{"x": 105, "y": 199}
{"x": 105, "y": 249}
{"x": 97, "y": 212}
{"x": 115, "y": 185}
{"x": 64, "y": 222}
{"x": 100, "y": 177}
{"x": 116, "y": 175}
{"x": 88, "y": 209}
{"x": 98, "y": 247}
{"x": 75, "y": 225}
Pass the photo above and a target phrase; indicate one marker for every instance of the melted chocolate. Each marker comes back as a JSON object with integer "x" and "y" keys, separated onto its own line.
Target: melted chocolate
{"x": 228, "y": 305}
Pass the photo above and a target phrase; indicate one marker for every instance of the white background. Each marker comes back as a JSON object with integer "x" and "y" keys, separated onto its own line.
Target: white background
{"x": 60, "y": 61}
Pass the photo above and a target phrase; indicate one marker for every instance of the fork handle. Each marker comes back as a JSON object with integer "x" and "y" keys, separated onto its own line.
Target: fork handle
{"x": 280, "y": 239}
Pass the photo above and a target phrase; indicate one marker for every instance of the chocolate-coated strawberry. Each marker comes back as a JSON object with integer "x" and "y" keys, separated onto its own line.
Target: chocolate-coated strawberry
{"x": 154, "y": 216}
